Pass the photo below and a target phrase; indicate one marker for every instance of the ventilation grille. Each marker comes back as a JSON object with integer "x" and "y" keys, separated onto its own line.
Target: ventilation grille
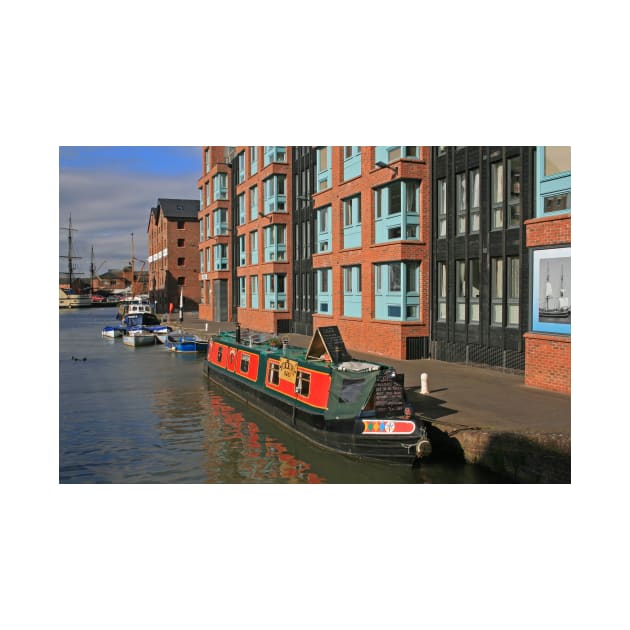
{"x": 507, "y": 360}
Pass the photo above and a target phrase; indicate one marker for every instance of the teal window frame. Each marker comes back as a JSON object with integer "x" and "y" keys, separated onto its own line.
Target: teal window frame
{"x": 550, "y": 186}
{"x": 351, "y": 162}
{"x": 253, "y": 160}
{"x": 392, "y": 154}
{"x": 253, "y": 203}
{"x": 351, "y": 211}
{"x": 253, "y": 247}
{"x": 221, "y": 262}
{"x": 324, "y": 299}
{"x": 323, "y": 216}
{"x": 397, "y": 290}
{"x": 323, "y": 175}
{"x": 242, "y": 211}
{"x": 202, "y": 266}
{"x": 397, "y": 211}
{"x": 240, "y": 165}
{"x": 242, "y": 291}
{"x": 275, "y": 188}
{"x": 352, "y": 290}
{"x": 253, "y": 284}
{"x": 275, "y": 154}
{"x": 242, "y": 251}
{"x": 220, "y": 186}
{"x": 275, "y": 291}
{"x": 219, "y": 219}
{"x": 275, "y": 240}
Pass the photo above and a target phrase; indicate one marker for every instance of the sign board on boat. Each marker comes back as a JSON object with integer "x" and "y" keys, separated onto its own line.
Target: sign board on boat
{"x": 327, "y": 341}
{"x": 288, "y": 370}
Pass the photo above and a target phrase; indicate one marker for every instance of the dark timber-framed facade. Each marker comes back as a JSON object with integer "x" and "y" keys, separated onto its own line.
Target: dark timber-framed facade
{"x": 480, "y": 264}
{"x": 304, "y": 163}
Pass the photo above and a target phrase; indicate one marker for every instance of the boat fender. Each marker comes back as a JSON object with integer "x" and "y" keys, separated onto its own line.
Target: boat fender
{"x": 423, "y": 448}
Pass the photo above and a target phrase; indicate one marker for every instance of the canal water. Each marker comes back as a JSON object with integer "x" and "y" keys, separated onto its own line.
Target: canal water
{"x": 147, "y": 415}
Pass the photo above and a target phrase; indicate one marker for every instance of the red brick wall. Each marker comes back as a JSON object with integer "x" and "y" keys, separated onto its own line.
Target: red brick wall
{"x": 548, "y": 362}
{"x": 554, "y": 230}
{"x": 387, "y": 338}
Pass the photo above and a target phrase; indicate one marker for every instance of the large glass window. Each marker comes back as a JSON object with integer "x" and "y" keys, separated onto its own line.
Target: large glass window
{"x": 219, "y": 184}
{"x": 242, "y": 216}
{"x": 253, "y": 283}
{"x": 220, "y": 221}
{"x": 352, "y": 291}
{"x": 253, "y": 203}
{"x": 351, "y": 162}
{"x": 474, "y": 291}
{"x": 554, "y": 180}
{"x": 497, "y": 196}
{"x": 220, "y": 257}
{"x": 323, "y": 175}
{"x": 275, "y": 194}
{"x": 441, "y": 268}
{"x": 275, "y": 291}
{"x": 240, "y": 161}
{"x": 324, "y": 233}
{"x": 253, "y": 247}
{"x": 473, "y": 179}
{"x": 253, "y": 160}
{"x": 351, "y": 209}
{"x": 460, "y": 201}
{"x": 514, "y": 192}
{"x": 275, "y": 242}
{"x": 397, "y": 290}
{"x": 460, "y": 291}
{"x": 275, "y": 154}
{"x": 441, "y": 199}
{"x": 396, "y": 211}
{"x": 324, "y": 291}
{"x": 513, "y": 290}
{"x": 496, "y": 288}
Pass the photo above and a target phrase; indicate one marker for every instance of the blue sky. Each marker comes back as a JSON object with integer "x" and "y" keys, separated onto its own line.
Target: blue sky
{"x": 109, "y": 192}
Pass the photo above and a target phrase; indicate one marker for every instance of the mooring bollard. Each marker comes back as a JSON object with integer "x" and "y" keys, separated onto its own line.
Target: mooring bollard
{"x": 206, "y": 326}
{"x": 424, "y": 383}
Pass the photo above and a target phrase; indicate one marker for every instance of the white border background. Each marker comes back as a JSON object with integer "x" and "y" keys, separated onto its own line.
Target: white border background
{"x": 306, "y": 557}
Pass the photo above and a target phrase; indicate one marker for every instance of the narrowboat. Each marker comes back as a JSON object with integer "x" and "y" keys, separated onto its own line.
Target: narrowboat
{"x": 353, "y": 407}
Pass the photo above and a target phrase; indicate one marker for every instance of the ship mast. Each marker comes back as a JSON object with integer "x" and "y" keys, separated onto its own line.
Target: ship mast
{"x": 133, "y": 292}
{"x": 70, "y": 257}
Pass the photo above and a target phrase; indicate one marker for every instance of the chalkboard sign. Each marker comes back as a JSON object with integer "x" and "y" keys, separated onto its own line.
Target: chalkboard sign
{"x": 327, "y": 341}
{"x": 389, "y": 394}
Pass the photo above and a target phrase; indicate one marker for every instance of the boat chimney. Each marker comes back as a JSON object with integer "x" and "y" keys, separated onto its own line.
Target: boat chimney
{"x": 237, "y": 335}
{"x": 285, "y": 343}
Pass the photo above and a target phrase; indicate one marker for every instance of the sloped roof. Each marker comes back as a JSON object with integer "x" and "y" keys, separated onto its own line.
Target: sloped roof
{"x": 179, "y": 208}
{"x": 175, "y": 209}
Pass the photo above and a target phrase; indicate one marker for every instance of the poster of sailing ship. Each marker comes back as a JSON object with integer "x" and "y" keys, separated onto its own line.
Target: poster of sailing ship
{"x": 552, "y": 290}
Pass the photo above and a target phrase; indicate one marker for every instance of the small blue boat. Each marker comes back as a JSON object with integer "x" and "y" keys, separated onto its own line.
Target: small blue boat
{"x": 186, "y": 343}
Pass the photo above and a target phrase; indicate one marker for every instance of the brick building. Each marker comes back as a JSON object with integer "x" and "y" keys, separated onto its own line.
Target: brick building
{"x": 173, "y": 236}
{"x": 413, "y": 252}
{"x": 299, "y": 237}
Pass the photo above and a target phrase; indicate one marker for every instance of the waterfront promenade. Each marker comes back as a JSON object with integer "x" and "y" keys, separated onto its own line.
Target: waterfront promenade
{"x": 481, "y": 415}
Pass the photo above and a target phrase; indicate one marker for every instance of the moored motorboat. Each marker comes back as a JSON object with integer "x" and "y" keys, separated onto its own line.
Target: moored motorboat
{"x": 357, "y": 408}
{"x": 138, "y": 337}
{"x": 112, "y": 331}
{"x": 178, "y": 342}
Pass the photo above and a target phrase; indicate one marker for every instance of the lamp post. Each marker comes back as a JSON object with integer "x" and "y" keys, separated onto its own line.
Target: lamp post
{"x": 392, "y": 168}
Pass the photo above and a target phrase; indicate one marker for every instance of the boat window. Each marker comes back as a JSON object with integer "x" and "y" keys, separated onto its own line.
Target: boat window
{"x": 245, "y": 363}
{"x": 219, "y": 354}
{"x": 351, "y": 390}
{"x": 303, "y": 383}
{"x": 273, "y": 374}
